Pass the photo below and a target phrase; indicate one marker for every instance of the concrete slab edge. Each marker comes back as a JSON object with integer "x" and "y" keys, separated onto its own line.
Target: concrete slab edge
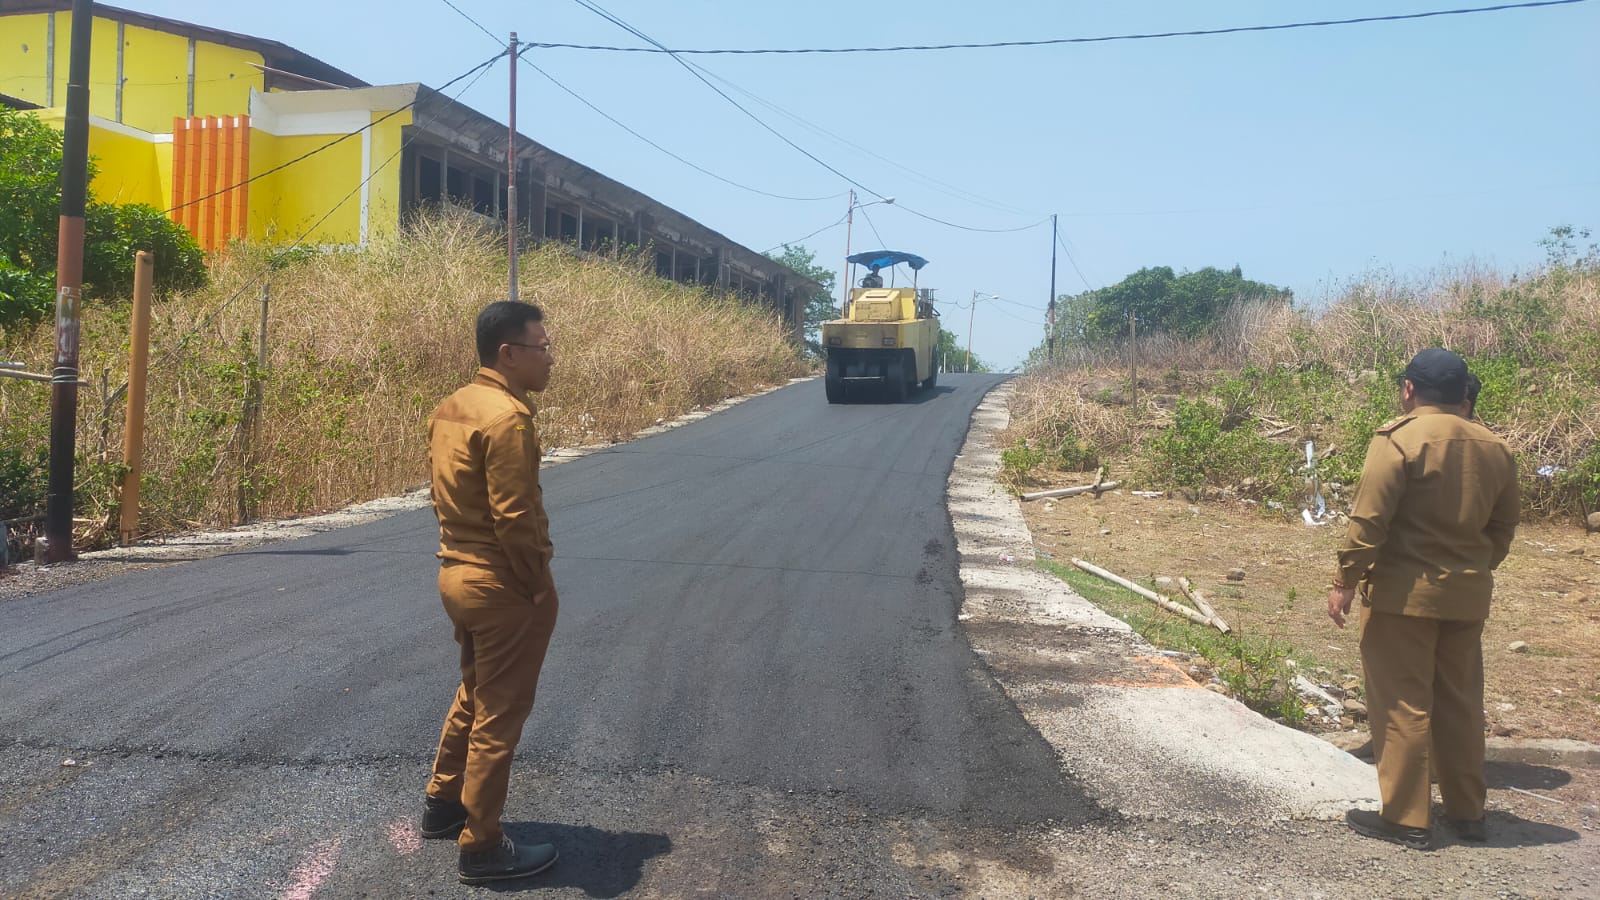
{"x": 1141, "y": 737}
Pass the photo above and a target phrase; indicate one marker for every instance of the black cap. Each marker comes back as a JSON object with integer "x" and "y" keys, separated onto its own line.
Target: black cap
{"x": 1442, "y": 371}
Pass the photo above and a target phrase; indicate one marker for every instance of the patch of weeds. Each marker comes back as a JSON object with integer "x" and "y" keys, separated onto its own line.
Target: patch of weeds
{"x": 1254, "y": 668}
{"x": 1017, "y": 463}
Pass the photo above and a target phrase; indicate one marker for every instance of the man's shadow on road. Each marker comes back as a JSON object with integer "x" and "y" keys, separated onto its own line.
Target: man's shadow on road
{"x": 598, "y": 862}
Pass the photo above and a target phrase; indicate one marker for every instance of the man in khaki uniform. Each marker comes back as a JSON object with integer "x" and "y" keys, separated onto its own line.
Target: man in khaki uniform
{"x": 1433, "y": 516}
{"x": 494, "y": 540}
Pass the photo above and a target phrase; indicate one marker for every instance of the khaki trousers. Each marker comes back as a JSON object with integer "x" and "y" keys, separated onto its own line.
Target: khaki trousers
{"x": 503, "y": 635}
{"x": 1425, "y": 705}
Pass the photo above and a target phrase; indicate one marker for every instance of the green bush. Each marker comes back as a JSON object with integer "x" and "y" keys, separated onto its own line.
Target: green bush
{"x": 1017, "y": 463}
{"x": 113, "y": 233}
{"x": 1201, "y": 449}
{"x": 25, "y": 297}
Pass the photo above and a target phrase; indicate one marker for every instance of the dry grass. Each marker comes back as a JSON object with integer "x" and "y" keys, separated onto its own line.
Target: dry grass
{"x": 1326, "y": 375}
{"x": 361, "y": 348}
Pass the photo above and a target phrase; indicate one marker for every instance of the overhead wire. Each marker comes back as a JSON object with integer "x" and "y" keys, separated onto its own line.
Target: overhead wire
{"x": 1073, "y": 260}
{"x": 615, "y": 121}
{"x": 336, "y": 141}
{"x": 937, "y": 185}
{"x": 1047, "y": 42}
{"x": 698, "y": 168}
{"x": 481, "y": 69}
{"x": 874, "y": 228}
{"x": 693, "y": 70}
{"x": 808, "y": 237}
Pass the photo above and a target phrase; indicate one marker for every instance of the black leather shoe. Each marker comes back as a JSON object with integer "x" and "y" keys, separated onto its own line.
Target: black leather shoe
{"x": 1370, "y": 824}
{"x": 442, "y": 818}
{"x": 509, "y": 860}
{"x": 1473, "y": 830}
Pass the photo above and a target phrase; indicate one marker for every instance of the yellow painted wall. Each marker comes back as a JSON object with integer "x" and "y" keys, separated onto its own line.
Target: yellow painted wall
{"x": 23, "y": 59}
{"x": 286, "y": 203}
{"x": 155, "y": 67}
{"x": 223, "y": 78}
{"x": 155, "y": 71}
{"x": 128, "y": 171}
{"x": 383, "y": 218}
{"x": 127, "y": 168}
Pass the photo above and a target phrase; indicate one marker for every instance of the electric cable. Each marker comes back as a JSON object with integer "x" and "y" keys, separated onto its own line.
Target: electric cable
{"x": 613, "y": 120}
{"x": 881, "y": 242}
{"x": 692, "y": 70}
{"x": 1071, "y": 259}
{"x": 1046, "y": 42}
{"x": 806, "y": 238}
{"x": 940, "y": 186}
{"x": 698, "y": 168}
{"x": 338, "y": 140}
{"x": 475, "y": 23}
{"x": 481, "y": 70}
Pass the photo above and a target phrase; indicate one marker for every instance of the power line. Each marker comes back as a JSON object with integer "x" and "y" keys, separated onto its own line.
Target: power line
{"x": 338, "y": 140}
{"x": 693, "y": 70}
{"x": 698, "y": 168}
{"x": 613, "y": 120}
{"x": 1071, "y": 259}
{"x": 806, "y": 238}
{"x": 1046, "y": 42}
{"x": 941, "y": 186}
{"x": 597, "y": 10}
{"x": 481, "y": 70}
{"x": 881, "y": 242}
{"x": 475, "y": 23}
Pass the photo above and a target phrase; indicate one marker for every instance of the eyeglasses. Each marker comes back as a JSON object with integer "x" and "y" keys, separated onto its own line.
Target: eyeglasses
{"x": 543, "y": 348}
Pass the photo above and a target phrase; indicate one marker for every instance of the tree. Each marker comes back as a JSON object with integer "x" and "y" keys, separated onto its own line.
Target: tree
{"x": 1187, "y": 305}
{"x": 955, "y": 357}
{"x": 30, "y": 182}
{"x": 820, "y": 306}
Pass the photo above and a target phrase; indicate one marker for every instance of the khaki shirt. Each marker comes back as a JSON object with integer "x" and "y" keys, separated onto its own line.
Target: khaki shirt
{"x": 1434, "y": 514}
{"x": 483, "y": 453}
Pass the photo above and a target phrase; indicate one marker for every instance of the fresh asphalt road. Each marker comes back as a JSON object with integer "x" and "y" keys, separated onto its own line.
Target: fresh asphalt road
{"x": 757, "y": 686}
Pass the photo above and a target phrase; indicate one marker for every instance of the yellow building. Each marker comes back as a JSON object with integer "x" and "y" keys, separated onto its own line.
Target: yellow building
{"x": 181, "y": 115}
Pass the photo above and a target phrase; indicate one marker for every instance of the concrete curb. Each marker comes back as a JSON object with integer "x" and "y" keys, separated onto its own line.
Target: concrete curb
{"x": 1137, "y": 731}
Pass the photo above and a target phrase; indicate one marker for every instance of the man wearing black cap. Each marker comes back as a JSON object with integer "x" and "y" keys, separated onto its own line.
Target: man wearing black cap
{"x": 1433, "y": 515}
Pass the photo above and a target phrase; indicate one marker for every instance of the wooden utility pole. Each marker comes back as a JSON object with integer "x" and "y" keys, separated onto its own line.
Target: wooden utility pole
{"x": 511, "y": 177}
{"x": 251, "y": 423}
{"x": 69, "y": 292}
{"x": 133, "y": 424}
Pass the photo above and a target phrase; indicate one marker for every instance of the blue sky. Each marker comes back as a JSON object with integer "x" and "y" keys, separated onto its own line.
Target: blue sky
{"x": 1307, "y": 157}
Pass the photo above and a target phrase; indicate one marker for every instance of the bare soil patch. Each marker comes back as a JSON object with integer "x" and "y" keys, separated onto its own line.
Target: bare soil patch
{"x": 1547, "y": 594}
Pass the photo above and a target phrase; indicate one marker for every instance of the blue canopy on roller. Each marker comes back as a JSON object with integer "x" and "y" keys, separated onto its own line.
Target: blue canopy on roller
{"x": 883, "y": 259}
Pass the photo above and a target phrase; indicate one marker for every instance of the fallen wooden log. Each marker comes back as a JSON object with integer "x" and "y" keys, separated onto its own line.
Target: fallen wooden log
{"x": 1201, "y": 604}
{"x": 1165, "y": 603}
{"x": 1071, "y": 491}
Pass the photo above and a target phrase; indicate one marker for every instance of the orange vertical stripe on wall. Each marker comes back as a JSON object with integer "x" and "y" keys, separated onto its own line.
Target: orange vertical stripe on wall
{"x": 208, "y": 184}
{"x": 191, "y": 187}
{"x": 225, "y": 202}
{"x": 242, "y": 209}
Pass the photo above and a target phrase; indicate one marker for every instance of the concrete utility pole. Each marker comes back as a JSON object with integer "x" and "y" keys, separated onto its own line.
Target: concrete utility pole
{"x": 972, "y": 316}
{"x": 511, "y": 177}
{"x": 1050, "y": 329}
{"x": 849, "y": 223}
{"x": 69, "y": 292}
